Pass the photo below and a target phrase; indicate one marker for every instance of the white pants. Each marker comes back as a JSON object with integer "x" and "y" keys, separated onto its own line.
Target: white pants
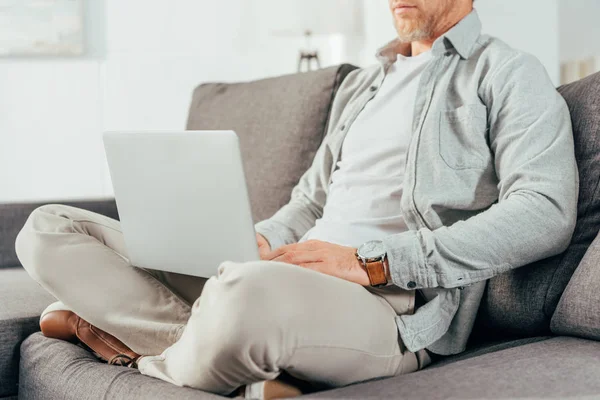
{"x": 247, "y": 324}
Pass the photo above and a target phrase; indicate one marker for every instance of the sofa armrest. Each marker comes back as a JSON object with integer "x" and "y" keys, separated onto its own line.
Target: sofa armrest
{"x": 14, "y": 215}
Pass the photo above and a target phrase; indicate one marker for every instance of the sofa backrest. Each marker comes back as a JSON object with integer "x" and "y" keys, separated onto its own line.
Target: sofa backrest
{"x": 280, "y": 123}
{"x": 522, "y": 302}
{"x": 578, "y": 311}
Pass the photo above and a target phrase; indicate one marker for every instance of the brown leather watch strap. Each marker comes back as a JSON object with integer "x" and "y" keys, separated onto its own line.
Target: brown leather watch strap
{"x": 376, "y": 272}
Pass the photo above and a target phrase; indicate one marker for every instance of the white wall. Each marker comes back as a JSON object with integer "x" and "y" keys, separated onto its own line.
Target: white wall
{"x": 49, "y": 122}
{"x": 579, "y": 29}
{"x": 529, "y": 25}
{"x": 379, "y": 28}
{"x": 144, "y": 59}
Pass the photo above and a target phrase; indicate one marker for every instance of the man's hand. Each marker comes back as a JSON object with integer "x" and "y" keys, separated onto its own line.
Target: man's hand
{"x": 327, "y": 258}
{"x": 264, "y": 248}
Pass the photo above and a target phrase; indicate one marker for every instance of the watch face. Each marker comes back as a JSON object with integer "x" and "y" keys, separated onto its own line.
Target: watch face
{"x": 373, "y": 249}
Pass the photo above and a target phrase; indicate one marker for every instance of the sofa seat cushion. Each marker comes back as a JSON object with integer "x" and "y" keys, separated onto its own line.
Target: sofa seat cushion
{"x": 485, "y": 348}
{"x": 21, "y": 303}
{"x": 280, "y": 122}
{"x": 558, "y": 368}
{"x": 54, "y": 369}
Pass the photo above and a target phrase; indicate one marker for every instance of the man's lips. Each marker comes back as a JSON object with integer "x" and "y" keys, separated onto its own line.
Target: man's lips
{"x": 403, "y": 8}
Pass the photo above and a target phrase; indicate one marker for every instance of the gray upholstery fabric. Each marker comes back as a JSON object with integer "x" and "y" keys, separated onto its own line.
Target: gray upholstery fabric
{"x": 280, "y": 122}
{"x": 559, "y": 368}
{"x": 549, "y": 368}
{"x": 481, "y": 349}
{"x": 578, "y": 312}
{"x": 13, "y": 216}
{"x": 53, "y": 369}
{"x": 21, "y": 302}
{"x": 522, "y": 301}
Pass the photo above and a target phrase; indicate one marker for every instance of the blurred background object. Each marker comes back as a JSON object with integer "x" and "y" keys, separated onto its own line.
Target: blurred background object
{"x": 38, "y": 27}
{"x": 579, "y": 39}
{"x": 571, "y": 71}
{"x": 309, "y": 18}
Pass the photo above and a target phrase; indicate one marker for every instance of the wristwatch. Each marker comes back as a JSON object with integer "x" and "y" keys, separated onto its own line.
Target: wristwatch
{"x": 372, "y": 256}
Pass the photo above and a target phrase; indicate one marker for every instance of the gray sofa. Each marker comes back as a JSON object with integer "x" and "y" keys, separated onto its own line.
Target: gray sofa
{"x": 537, "y": 333}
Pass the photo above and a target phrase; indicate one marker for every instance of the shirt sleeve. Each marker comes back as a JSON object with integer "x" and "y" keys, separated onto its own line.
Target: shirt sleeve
{"x": 532, "y": 142}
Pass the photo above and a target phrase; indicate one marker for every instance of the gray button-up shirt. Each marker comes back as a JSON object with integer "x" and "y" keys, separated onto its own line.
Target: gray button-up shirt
{"x": 490, "y": 184}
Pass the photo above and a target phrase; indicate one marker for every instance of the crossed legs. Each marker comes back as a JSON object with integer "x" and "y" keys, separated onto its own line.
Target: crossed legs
{"x": 247, "y": 324}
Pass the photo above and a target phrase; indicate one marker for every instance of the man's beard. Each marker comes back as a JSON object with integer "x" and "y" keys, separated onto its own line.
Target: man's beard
{"x": 416, "y": 30}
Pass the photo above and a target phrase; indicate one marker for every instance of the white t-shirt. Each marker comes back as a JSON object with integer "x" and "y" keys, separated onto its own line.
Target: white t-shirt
{"x": 364, "y": 196}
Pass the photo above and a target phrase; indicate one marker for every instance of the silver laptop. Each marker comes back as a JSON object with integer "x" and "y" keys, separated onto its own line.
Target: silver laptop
{"x": 182, "y": 199}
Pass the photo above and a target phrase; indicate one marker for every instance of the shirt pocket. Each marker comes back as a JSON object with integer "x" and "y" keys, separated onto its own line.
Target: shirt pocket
{"x": 462, "y": 135}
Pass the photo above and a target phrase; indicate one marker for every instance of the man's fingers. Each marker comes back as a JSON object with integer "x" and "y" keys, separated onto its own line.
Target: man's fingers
{"x": 299, "y": 257}
{"x": 311, "y": 245}
{"x": 263, "y": 252}
{"x": 280, "y": 251}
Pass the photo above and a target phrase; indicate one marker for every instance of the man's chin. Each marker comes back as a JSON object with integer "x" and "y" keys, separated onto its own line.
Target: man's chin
{"x": 411, "y": 31}
{"x": 413, "y": 36}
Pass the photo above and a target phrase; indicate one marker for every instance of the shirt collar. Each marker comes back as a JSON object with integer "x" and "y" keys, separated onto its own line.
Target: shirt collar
{"x": 462, "y": 37}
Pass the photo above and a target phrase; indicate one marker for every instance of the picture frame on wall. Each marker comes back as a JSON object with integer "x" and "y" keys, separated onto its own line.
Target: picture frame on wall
{"x": 41, "y": 28}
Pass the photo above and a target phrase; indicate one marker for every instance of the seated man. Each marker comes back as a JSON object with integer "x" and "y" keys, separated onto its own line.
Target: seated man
{"x": 448, "y": 163}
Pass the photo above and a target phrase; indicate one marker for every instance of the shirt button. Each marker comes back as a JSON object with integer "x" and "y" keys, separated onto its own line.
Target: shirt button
{"x": 342, "y": 127}
{"x": 412, "y": 285}
{"x": 448, "y": 53}
{"x": 373, "y": 88}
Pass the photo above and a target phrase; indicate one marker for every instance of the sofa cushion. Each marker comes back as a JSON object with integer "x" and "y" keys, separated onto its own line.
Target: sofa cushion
{"x": 578, "y": 312}
{"x": 522, "y": 301}
{"x": 54, "y": 369}
{"x": 13, "y": 217}
{"x": 21, "y": 302}
{"x": 280, "y": 122}
{"x": 485, "y": 348}
{"x": 559, "y": 368}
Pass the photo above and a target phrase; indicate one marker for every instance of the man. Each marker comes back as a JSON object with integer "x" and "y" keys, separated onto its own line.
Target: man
{"x": 450, "y": 162}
